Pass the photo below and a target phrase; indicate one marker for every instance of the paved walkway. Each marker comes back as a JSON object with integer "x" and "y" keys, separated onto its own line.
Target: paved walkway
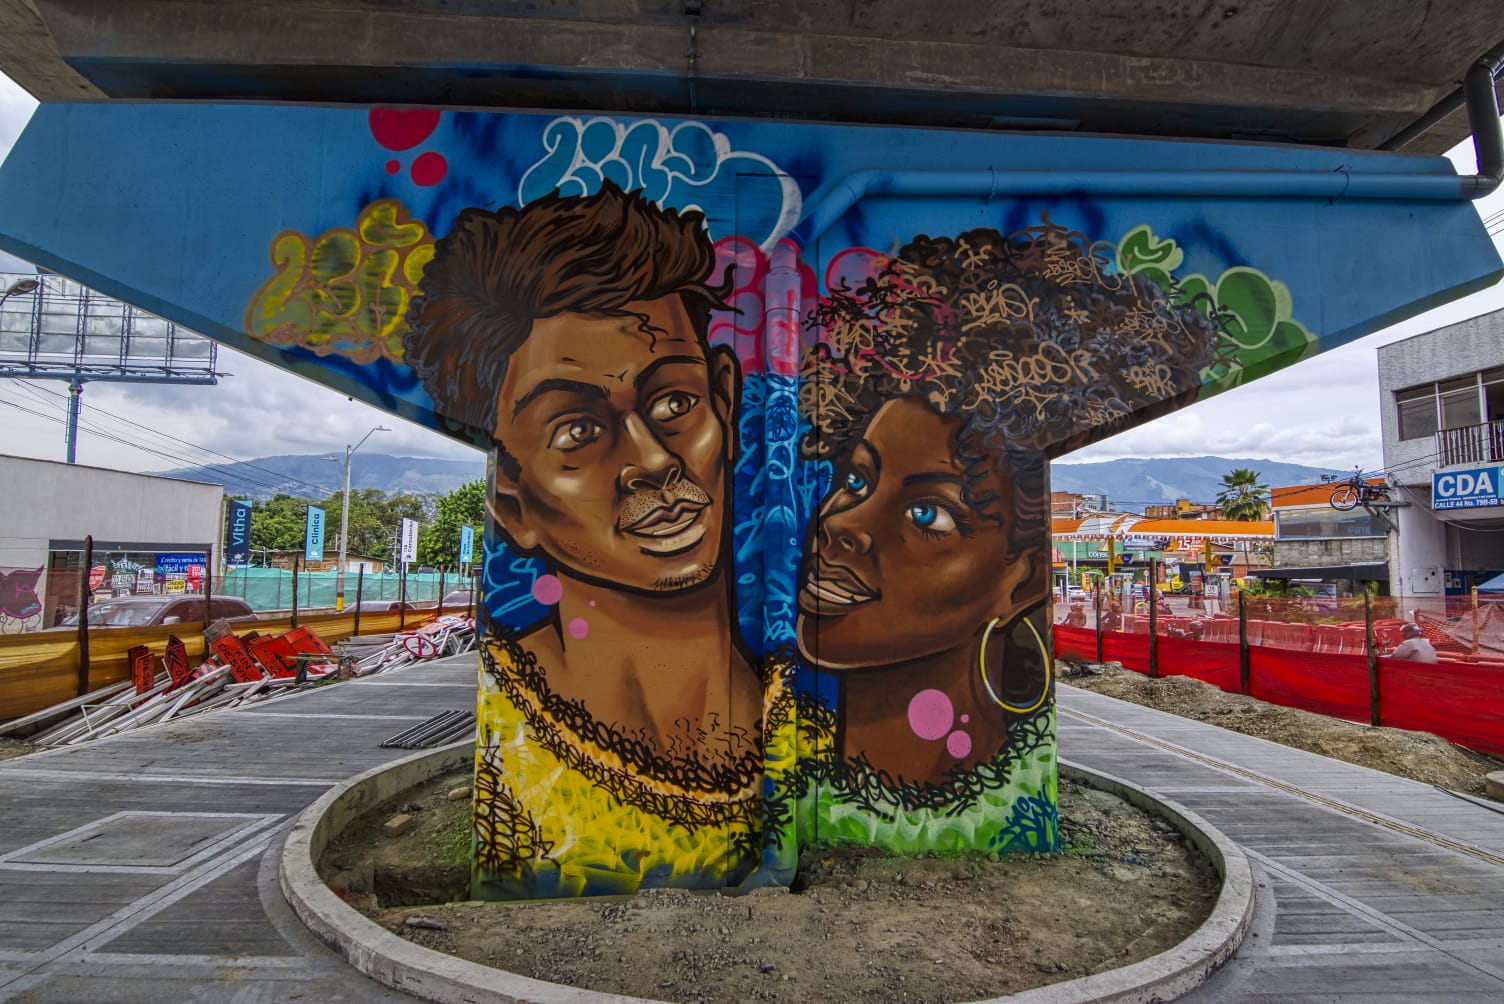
{"x": 136, "y": 869}
{"x": 1370, "y": 887}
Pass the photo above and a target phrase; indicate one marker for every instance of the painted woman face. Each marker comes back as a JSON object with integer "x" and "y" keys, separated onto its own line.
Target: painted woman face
{"x": 899, "y": 565}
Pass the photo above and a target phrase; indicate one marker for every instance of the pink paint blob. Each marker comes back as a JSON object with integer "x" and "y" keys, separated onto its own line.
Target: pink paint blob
{"x": 579, "y": 628}
{"x": 393, "y": 166}
{"x": 548, "y": 590}
{"x": 930, "y": 714}
{"x": 965, "y": 719}
{"x": 430, "y": 168}
{"x": 592, "y": 603}
{"x": 403, "y": 128}
{"x": 958, "y": 744}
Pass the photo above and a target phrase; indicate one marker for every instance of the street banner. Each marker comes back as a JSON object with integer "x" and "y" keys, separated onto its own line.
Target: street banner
{"x": 313, "y": 538}
{"x": 467, "y": 544}
{"x": 238, "y": 535}
{"x": 409, "y": 552}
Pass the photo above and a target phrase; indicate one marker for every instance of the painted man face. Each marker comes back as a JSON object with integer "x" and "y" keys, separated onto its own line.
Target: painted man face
{"x": 901, "y": 566}
{"x": 622, "y": 428}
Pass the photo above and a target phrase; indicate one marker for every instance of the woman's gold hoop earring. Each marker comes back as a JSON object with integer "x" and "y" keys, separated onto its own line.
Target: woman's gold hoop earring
{"x": 982, "y": 666}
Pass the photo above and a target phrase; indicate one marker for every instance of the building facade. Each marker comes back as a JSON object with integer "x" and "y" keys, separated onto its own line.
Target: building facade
{"x": 150, "y": 534}
{"x": 1442, "y": 404}
{"x": 1315, "y": 540}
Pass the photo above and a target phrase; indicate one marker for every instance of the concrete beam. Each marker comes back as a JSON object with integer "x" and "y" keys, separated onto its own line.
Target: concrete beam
{"x": 29, "y": 55}
{"x": 1273, "y": 69}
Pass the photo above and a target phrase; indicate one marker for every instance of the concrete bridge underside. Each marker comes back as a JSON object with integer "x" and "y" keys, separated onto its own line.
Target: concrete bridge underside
{"x": 1329, "y": 73}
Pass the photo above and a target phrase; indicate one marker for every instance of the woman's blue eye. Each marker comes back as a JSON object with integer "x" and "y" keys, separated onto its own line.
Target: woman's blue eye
{"x": 855, "y": 483}
{"x": 932, "y": 519}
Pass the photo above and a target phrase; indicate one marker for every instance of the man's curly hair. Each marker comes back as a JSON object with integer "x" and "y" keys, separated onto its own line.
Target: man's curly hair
{"x": 1028, "y": 338}
{"x": 496, "y": 272}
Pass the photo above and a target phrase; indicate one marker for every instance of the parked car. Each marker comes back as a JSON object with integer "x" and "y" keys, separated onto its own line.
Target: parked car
{"x": 383, "y": 606}
{"x": 147, "y": 611}
{"x": 1074, "y": 593}
{"x": 458, "y": 599}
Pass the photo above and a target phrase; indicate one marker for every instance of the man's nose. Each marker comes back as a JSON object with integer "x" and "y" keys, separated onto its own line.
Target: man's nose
{"x": 646, "y": 463}
{"x": 842, "y": 533}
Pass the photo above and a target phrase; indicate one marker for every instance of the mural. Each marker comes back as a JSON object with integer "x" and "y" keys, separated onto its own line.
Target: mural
{"x": 943, "y": 377}
{"x": 769, "y": 409}
{"x": 575, "y": 332}
{"x": 20, "y": 609}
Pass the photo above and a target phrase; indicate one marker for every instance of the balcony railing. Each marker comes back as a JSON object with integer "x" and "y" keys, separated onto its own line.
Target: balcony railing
{"x": 1471, "y": 444}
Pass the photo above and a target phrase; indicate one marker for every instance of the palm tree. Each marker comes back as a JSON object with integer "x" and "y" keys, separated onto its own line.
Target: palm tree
{"x": 1243, "y": 497}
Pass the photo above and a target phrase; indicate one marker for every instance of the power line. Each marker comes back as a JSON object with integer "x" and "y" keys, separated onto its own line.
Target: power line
{"x": 111, "y": 437}
{"x": 282, "y": 477}
{"x": 155, "y": 450}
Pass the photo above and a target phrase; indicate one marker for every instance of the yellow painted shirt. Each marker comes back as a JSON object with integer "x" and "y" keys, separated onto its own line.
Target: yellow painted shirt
{"x": 569, "y": 806}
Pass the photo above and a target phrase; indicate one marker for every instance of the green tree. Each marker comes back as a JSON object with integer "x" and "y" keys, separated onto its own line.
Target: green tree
{"x": 376, "y": 519}
{"x": 439, "y": 541}
{"x": 277, "y": 524}
{"x": 1243, "y": 497}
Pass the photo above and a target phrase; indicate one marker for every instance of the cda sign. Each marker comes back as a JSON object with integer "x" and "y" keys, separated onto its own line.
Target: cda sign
{"x": 1465, "y": 489}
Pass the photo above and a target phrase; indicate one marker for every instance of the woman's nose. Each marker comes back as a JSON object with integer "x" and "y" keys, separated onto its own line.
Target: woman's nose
{"x": 842, "y": 533}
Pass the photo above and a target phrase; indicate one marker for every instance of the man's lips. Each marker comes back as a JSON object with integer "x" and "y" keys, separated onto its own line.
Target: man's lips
{"x": 665, "y": 521}
{"x": 830, "y": 588}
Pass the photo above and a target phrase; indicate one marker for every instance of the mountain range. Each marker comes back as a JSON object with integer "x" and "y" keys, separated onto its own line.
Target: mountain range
{"x": 318, "y": 476}
{"x": 1130, "y": 483}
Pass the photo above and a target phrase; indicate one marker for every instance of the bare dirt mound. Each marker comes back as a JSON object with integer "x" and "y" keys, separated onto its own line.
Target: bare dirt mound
{"x": 1420, "y": 756}
{"x": 12, "y": 748}
{"x": 858, "y": 926}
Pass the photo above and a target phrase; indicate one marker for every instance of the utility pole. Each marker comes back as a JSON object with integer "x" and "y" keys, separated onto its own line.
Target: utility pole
{"x": 344, "y": 519}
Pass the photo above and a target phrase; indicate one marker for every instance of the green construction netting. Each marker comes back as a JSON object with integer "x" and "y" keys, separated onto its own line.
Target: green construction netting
{"x": 271, "y": 588}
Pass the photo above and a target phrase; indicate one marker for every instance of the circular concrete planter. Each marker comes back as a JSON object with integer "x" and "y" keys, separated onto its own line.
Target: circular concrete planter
{"x": 435, "y": 976}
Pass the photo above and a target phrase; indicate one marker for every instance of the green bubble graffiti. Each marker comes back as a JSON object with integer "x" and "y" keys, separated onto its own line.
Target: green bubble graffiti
{"x": 1253, "y": 310}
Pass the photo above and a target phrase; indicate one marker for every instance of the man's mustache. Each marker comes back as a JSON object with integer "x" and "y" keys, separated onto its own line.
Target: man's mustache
{"x": 643, "y": 503}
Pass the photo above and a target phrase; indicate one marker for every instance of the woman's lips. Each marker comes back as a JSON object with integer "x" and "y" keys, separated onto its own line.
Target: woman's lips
{"x": 834, "y": 589}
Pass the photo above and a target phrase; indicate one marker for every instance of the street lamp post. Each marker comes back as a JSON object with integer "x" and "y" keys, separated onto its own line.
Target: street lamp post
{"x": 18, "y": 287}
{"x": 344, "y": 519}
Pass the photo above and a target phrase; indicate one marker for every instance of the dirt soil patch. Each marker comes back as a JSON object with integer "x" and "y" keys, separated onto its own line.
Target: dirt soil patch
{"x": 12, "y": 748}
{"x": 1420, "y": 756}
{"x": 858, "y": 926}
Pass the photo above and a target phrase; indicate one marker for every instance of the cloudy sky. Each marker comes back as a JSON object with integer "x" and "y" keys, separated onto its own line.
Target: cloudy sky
{"x": 1323, "y": 412}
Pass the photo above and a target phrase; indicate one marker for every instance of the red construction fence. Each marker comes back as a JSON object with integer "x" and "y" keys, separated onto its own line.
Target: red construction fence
{"x": 1327, "y": 656}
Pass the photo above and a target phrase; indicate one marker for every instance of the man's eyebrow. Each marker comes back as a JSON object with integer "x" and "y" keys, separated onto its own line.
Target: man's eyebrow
{"x": 568, "y": 386}
{"x": 930, "y": 477}
{"x": 652, "y": 368}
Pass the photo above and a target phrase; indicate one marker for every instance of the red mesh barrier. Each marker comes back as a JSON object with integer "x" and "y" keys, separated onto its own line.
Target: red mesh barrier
{"x": 1129, "y": 649}
{"x": 1216, "y": 664}
{"x": 1310, "y": 653}
{"x": 1461, "y": 701}
{"x": 1079, "y": 644}
{"x": 1335, "y": 685}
